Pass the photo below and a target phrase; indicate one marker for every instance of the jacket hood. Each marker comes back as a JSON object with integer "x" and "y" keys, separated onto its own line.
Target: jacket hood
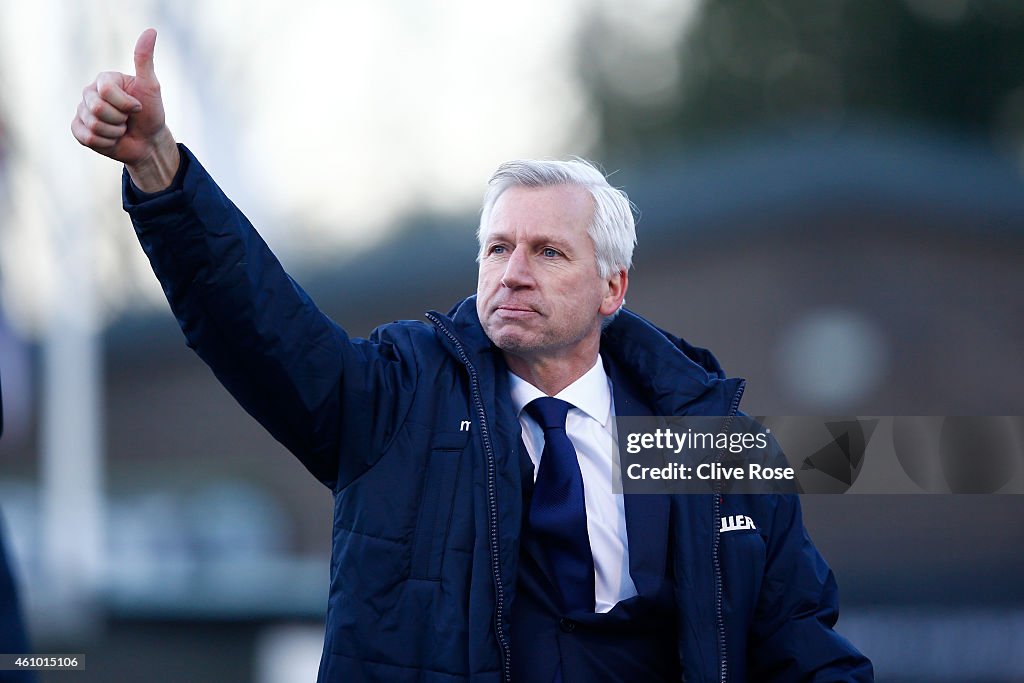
{"x": 673, "y": 374}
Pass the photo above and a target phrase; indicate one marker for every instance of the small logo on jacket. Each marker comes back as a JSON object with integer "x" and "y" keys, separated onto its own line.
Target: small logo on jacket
{"x": 736, "y": 523}
{"x": 464, "y": 426}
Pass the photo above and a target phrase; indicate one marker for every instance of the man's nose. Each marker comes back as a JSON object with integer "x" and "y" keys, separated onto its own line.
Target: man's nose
{"x": 518, "y": 271}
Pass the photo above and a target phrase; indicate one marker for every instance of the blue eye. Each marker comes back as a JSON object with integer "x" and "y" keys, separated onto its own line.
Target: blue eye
{"x": 497, "y": 249}
{"x": 549, "y": 252}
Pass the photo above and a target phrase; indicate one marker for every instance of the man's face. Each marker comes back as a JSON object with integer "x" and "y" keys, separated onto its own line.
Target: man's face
{"x": 539, "y": 295}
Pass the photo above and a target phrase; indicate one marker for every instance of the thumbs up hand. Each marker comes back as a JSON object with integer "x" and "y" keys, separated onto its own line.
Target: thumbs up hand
{"x": 122, "y": 116}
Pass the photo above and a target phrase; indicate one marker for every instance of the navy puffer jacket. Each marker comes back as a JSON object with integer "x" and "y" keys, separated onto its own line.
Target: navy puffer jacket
{"x": 413, "y": 431}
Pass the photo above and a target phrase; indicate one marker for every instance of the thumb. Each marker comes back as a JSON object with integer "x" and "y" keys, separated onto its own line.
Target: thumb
{"x": 144, "y": 55}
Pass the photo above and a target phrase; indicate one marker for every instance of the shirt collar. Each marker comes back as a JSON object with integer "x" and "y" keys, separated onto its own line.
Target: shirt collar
{"x": 589, "y": 393}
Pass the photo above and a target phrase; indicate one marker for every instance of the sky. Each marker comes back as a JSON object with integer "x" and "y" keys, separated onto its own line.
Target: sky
{"x": 327, "y": 123}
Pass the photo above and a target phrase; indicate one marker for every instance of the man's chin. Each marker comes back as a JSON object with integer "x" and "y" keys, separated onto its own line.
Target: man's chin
{"x": 510, "y": 342}
{"x": 510, "y": 338}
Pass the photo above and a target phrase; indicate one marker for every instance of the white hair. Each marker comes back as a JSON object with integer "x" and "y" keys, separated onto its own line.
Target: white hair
{"x": 612, "y": 228}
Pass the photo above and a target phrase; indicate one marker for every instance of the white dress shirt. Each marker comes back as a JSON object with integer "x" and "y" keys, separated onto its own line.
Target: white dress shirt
{"x": 589, "y": 426}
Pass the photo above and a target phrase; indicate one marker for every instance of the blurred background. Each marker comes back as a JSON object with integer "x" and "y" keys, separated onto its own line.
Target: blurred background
{"x": 831, "y": 199}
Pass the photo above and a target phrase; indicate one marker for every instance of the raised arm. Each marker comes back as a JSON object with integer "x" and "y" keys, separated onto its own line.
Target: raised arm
{"x": 314, "y": 389}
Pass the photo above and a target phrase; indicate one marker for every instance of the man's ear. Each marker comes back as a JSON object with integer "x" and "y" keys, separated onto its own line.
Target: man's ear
{"x": 618, "y": 283}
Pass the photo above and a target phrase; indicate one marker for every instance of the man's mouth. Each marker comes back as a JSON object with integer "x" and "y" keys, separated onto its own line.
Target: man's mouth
{"x": 514, "y": 311}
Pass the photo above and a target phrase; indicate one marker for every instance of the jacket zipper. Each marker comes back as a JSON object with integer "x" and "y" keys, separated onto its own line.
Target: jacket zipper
{"x": 716, "y": 523}
{"x": 492, "y": 499}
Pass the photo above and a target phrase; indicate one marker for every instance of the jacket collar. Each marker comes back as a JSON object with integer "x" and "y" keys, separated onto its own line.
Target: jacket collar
{"x": 466, "y": 324}
{"x": 673, "y": 376}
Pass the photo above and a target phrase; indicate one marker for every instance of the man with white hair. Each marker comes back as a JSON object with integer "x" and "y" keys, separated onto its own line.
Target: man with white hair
{"x": 476, "y": 532}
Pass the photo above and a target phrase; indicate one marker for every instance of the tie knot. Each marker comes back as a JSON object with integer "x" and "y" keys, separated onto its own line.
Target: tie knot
{"x": 549, "y": 412}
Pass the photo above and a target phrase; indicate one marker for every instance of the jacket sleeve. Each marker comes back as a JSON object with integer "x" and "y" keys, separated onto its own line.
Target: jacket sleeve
{"x": 792, "y": 638}
{"x": 287, "y": 364}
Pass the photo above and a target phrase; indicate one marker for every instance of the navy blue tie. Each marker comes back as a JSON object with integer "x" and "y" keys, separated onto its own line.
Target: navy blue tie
{"x": 558, "y": 513}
